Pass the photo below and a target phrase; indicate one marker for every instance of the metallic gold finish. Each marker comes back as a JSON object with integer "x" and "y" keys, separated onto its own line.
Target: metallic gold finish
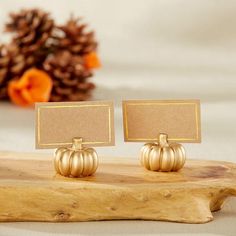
{"x": 57, "y": 159}
{"x": 180, "y": 152}
{"x": 76, "y": 161}
{"x": 145, "y": 150}
{"x": 155, "y": 156}
{"x": 162, "y": 156}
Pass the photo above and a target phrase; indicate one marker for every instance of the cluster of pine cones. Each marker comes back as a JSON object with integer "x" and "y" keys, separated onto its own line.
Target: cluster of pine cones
{"x": 59, "y": 50}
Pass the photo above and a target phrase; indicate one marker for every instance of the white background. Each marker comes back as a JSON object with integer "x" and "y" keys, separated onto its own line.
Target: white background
{"x": 149, "y": 49}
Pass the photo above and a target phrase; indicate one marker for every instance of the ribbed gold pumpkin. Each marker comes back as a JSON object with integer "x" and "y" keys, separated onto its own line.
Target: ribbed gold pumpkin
{"x": 75, "y": 161}
{"x": 163, "y": 156}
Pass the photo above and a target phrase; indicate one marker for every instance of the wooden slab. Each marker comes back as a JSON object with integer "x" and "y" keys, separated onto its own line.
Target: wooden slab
{"x": 31, "y": 191}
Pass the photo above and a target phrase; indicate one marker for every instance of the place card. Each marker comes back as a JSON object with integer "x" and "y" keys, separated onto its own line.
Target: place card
{"x": 144, "y": 120}
{"x": 57, "y": 123}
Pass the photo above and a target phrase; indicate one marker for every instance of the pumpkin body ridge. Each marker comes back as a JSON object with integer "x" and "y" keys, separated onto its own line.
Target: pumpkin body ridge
{"x": 154, "y": 160}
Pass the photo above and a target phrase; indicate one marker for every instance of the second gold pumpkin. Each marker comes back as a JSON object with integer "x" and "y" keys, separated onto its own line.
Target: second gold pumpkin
{"x": 163, "y": 156}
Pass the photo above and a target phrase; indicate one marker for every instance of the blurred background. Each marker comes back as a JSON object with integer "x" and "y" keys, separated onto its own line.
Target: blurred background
{"x": 149, "y": 50}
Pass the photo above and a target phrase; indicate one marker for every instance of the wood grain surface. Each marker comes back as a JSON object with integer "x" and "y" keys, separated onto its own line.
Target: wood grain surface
{"x": 120, "y": 189}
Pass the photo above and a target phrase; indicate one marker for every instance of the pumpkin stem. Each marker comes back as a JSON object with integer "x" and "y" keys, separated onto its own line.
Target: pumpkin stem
{"x": 163, "y": 140}
{"x": 77, "y": 143}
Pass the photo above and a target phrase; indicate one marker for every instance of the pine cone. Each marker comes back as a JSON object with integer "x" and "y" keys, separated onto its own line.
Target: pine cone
{"x": 73, "y": 37}
{"x": 4, "y": 61}
{"x": 12, "y": 66}
{"x": 69, "y": 76}
{"x": 31, "y": 28}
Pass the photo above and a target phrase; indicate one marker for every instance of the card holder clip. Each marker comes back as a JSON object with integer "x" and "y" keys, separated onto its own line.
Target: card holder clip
{"x": 162, "y": 155}
{"x": 75, "y": 161}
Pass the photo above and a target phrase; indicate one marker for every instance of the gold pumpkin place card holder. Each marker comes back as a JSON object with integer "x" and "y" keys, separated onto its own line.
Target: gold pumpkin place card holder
{"x": 74, "y": 128}
{"x": 162, "y": 123}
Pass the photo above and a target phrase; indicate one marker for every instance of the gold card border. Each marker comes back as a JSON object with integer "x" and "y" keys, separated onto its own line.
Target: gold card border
{"x": 196, "y": 104}
{"x": 38, "y": 112}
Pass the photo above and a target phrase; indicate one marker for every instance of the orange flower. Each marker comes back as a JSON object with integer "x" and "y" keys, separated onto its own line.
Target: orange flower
{"x": 92, "y": 61}
{"x": 34, "y": 86}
